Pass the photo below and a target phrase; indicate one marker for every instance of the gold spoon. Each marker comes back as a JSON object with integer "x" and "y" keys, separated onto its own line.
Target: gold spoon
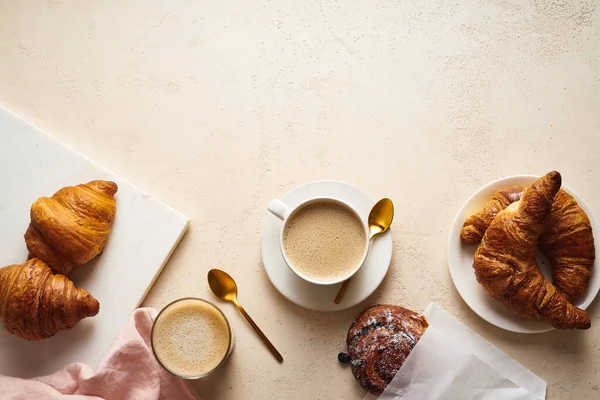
{"x": 380, "y": 219}
{"x": 224, "y": 287}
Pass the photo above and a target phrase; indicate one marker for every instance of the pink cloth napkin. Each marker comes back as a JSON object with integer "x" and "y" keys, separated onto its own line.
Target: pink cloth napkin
{"x": 128, "y": 371}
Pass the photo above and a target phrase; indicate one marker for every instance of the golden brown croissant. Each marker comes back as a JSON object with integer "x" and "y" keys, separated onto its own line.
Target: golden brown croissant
{"x": 505, "y": 261}
{"x": 568, "y": 242}
{"x": 71, "y": 227}
{"x": 35, "y": 304}
{"x": 567, "y": 239}
{"x": 475, "y": 226}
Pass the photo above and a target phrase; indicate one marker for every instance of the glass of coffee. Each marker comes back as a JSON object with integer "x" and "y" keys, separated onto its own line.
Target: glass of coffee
{"x": 323, "y": 240}
{"x": 191, "y": 338}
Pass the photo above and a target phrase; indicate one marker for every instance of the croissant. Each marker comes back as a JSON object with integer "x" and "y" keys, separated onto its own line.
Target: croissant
{"x": 379, "y": 340}
{"x": 35, "y": 304}
{"x": 505, "y": 261}
{"x": 476, "y": 224}
{"x": 567, "y": 240}
{"x": 71, "y": 227}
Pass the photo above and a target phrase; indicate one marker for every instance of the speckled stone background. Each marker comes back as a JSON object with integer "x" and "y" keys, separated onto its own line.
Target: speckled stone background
{"x": 215, "y": 107}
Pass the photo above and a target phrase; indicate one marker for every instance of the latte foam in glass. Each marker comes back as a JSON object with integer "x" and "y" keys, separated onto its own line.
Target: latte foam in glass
{"x": 324, "y": 241}
{"x": 191, "y": 338}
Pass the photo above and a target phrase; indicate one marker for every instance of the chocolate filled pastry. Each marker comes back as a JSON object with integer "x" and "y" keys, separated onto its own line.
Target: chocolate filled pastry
{"x": 379, "y": 340}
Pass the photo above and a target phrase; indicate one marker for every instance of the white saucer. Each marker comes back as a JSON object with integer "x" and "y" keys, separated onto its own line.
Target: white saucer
{"x": 460, "y": 262}
{"x": 317, "y": 297}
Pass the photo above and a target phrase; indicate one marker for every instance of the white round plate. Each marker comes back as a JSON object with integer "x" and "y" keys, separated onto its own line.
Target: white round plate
{"x": 460, "y": 262}
{"x": 318, "y": 297}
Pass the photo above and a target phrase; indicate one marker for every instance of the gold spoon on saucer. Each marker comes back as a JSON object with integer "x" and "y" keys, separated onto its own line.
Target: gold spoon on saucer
{"x": 225, "y": 288}
{"x": 380, "y": 219}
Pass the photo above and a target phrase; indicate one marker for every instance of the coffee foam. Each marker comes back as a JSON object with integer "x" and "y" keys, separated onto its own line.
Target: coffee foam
{"x": 324, "y": 241}
{"x": 190, "y": 338}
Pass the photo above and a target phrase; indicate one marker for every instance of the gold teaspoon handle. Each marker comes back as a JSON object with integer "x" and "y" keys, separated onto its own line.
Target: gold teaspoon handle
{"x": 342, "y": 291}
{"x": 265, "y": 340}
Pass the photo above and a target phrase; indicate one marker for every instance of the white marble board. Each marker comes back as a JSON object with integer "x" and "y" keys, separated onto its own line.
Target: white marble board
{"x": 145, "y": 233}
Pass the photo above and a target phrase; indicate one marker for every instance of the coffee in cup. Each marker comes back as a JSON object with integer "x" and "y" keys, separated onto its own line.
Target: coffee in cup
{"x": 323, "y": 240}
{"x": 191, "y": 338}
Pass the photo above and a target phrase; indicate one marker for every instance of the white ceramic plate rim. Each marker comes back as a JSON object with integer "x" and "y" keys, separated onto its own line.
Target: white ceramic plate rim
{"x": 320, "y": 297}
{"x": 470, "y": 290}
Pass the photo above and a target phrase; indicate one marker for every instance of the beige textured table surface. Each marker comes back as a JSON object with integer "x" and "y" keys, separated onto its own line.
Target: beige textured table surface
{"x": 215, "y": 107}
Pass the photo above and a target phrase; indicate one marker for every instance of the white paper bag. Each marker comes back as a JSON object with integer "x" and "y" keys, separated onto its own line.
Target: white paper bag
{"x": 451, "y": 362}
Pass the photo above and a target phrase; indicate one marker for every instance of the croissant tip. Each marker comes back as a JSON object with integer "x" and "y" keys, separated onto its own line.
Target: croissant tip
{"x": 555, "y": 176}
{"x": 95, "y": 309}
{"x": 107, "y": 187}
{"x": 470, "y": 235}
{"x": 91, "y": 308}
{"x": 587, "y": 325}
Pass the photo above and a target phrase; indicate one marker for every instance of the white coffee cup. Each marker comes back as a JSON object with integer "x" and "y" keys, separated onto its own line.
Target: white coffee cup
{"x": 286, "y": 214}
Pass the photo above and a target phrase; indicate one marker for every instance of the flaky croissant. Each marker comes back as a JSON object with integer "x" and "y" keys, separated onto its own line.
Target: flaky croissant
{"x": 35, "y": 304}
{"x": 71, "y": 227}
{"x": 568, "y": 242}
{"x": 505, "y": 261}
{"x": 567, "y": 239}
{"x": 477, "y": 223}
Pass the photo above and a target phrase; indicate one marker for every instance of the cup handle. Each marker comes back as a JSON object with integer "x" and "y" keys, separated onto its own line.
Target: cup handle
{"x": 279, "y": 209}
